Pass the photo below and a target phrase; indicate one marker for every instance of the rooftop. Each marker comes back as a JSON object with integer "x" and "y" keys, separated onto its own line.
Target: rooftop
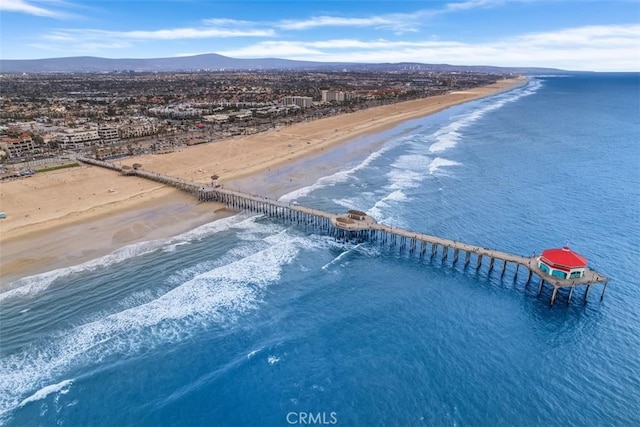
{"x": 564, "y": 257}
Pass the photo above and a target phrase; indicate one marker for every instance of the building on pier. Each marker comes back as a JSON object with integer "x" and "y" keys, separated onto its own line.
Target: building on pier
{"x": 562, "y": 263}
{"x": 353, "y": 220}
{"x": 357, "y": 215}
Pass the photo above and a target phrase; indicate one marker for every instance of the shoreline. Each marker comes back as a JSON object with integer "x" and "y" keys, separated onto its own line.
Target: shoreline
{"x": 111, "y": 211}
{"x": 163, "y": 216}
{"x": 257, "y": 153}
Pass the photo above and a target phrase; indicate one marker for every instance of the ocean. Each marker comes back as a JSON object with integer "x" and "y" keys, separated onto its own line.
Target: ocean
{"x": 248, "y": 321}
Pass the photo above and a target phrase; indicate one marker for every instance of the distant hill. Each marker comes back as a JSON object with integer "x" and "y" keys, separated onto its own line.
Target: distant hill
{"x": 215, "y": 62}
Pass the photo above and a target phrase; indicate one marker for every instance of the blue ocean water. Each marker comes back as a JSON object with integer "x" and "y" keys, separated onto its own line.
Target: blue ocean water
{"x": 248, "y": 321}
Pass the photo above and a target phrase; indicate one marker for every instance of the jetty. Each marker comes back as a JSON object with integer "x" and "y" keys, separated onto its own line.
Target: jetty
{"x": 357, "y": 226}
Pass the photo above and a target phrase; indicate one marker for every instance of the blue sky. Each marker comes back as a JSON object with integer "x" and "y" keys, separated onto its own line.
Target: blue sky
{"x": 568, "y": 34}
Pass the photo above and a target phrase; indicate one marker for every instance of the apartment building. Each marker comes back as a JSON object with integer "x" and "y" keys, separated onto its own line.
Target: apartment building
{"x": 17, "y": 147}
{"x": 336, "y": 96}
{"x": 138, "y": 128}
{"x": 300, "y": 101}
{"x": 108, "y": 135}
{"x": 78, "y": 137}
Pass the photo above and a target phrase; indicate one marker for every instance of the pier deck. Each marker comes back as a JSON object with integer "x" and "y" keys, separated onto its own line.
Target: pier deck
{"x": 364, "y": 228}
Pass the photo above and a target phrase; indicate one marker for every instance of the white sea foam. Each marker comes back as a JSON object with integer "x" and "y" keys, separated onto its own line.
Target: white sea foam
{"x": 217, "y": 296}
{"x": 343, "y": 176}
{"x": 376, "y": 211}
{"x": 409, "y": 170}
{"x": 62, "y": 387}
{"x": 448, "y": 136}
{"x": 396, "y": 196}
{"x": 273, "y": 360}
{"x": 173, "y": 247}
{"x": 439, "y": 162}
{"x": 32, "y": 285}
{"x": 340, "y": 257}
{"x": 406, "y": 172}
{"x": 346, "y": 203}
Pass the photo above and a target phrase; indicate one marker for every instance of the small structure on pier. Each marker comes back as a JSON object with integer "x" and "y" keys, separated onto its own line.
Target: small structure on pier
{"x": 357, "y": 215}
{"x": 354, "y": 220}
{"x": 562, "y": 263}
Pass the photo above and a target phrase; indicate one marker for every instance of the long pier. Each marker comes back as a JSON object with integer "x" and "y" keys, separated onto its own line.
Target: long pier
{"x": 359, "y": 227}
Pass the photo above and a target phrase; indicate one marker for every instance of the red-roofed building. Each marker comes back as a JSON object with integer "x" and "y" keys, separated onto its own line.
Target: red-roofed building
{"x": 562, "y": 263}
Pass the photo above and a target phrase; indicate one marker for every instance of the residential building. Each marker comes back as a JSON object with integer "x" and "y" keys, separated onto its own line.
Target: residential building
{"x": 108, "y": 135}
{"x": 79, "y": 137}
{"x": 336, "y": 96}
{"x": 17, "y": 147}
{"x": 300, "y": 101}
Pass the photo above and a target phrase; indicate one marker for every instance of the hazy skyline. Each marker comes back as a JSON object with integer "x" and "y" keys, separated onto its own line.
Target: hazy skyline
{"x": 573, "y": 35}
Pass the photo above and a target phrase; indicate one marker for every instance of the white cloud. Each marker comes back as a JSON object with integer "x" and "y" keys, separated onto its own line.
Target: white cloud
{"x": 336, "y": 21}
{"x": 166, "y": 34}
{"x": 81, "y": 48}
{"x": 586, "y": 36}
{"x": 270, "y": 49}
{"x": 89, "y": 40}
{"x": 228, "y": 22}
{"x": 397, "y": 22}
{"x": 21, "y": 6}
{"x": 599, "y": 48}
{"x": 471, "y": 4}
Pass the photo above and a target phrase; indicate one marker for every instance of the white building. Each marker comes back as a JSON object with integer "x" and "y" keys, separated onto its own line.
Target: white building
{"x": 242, "y": 115}
{"x": 138, "y": 128}
{"x": 108, "y": 135}
{"x": 17, "y": 147}
{"x": 78, "y": 137}
{"x": 216, "y": 118}
{"x": 300, "y": 101}
{"x": 337, "y": 96}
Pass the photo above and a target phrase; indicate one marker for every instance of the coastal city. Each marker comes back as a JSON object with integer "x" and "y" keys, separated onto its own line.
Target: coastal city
{"x": 48, "y": 119}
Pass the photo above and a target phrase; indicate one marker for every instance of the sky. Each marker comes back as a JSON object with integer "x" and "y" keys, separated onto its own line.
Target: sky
{"x": 581, "y": 35}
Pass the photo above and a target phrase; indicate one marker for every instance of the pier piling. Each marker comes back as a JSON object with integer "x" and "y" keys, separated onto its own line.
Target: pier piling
{"x": 553, "y": 295}
{"x": 604, "y": 289}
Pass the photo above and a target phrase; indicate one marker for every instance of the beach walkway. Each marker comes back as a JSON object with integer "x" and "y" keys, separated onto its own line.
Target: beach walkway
{"x": 359, "y": 227}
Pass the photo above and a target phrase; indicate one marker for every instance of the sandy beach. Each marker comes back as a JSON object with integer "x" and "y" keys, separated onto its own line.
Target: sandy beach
{"x": 68, "y": 216}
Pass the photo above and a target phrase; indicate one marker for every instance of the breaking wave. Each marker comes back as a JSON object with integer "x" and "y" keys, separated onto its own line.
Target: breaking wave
{"x": 32, "y": 285}
{"x": 216, "y": 296}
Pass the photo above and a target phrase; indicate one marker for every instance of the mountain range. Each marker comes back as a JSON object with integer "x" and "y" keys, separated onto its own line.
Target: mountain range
{"x": 215, "y": 62}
